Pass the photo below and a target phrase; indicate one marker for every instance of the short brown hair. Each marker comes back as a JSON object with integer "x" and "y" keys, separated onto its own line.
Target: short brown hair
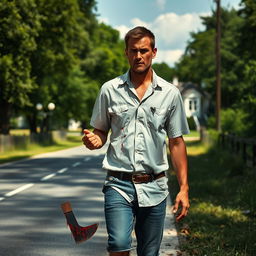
{"x": 138, "y": 33}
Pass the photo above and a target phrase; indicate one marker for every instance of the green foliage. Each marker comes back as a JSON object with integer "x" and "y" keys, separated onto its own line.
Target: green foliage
{"x": 19, "y": 25}
{"x": 248, "y": 101}
{"x": 106, "y": 59}
{"x": 247, "y": 38}
{"x": 54, "y": 51}
{"x": 238, "y": 56}
{"x": 61, "y": 42}
{"x": 198, "y": 63}
{"x": 76, "y": 98}
{"x": 232, "y": 121}
{"x": 164, "y": 71}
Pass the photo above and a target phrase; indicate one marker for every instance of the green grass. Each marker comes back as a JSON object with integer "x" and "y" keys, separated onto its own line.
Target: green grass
{"x": 222, "y": 216}
{"x": 35, "y": 149}
{"x": 192, "y": 133}
{"x": 19, "y": 132}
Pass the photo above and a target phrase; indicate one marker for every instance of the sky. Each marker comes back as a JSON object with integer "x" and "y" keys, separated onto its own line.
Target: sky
{"x": 170, "y": 20}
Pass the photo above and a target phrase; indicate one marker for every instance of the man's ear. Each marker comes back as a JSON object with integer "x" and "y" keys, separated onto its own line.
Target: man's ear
{"x": 154, "y": 52}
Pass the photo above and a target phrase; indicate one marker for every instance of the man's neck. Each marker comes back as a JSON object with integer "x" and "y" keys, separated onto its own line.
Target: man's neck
{"x": 141, "y": 79}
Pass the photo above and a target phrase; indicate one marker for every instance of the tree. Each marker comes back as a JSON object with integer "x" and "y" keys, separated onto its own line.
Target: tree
{"x": 163, "y": 70}
{"x": 19, "y": 24}
{"x": 61, "y": 43}
{"x": 76, "y": 98}
{"x": 106, "y": 59}
{"x": 248, "y": 29}
{"x": 198, "y": 63}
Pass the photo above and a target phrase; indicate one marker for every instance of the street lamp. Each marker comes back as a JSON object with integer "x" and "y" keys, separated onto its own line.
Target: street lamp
{"x": 51, "y": 106}
{"x": 39, "y": 106}
{"x": 46, "y": 115}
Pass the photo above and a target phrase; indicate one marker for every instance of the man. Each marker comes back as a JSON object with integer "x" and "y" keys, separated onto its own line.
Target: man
{"x": 140, "y": 109}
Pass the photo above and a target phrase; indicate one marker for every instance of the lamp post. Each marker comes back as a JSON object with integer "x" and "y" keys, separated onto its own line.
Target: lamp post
{"x": 45, "y": 126}
{"x": 51, "y": 107}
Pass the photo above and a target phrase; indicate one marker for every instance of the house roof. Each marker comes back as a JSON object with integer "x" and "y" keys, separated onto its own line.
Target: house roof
{"x": 184, "y": 87}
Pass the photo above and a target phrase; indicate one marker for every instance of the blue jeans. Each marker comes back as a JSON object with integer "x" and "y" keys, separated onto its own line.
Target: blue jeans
{"x": 121, "y": 216}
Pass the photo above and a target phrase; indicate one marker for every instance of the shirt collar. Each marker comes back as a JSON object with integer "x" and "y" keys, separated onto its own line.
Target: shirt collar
{"x": 125, "y": 79}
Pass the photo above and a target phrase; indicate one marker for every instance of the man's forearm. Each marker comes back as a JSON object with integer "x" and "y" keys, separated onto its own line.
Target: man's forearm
{"x": 179, "y": 160}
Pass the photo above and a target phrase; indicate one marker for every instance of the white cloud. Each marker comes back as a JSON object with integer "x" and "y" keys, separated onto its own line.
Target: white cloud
{"x": 137, "y": 22}
{"x": 168, "y": 56}
{"x": 122, "y": 30}
{"x": 172, "y": 32}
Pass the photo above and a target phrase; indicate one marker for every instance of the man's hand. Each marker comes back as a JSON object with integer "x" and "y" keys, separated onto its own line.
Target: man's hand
{"x": 183, "y": 202}
{"x": 92, "y": 140}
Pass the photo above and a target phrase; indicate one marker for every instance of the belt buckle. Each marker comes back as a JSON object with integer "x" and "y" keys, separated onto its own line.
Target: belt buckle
{"x": 137, "y": 174}
{"x": 134, "y": 178}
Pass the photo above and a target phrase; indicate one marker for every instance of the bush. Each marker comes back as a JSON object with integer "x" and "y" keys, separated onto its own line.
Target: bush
{"x": 232, "y": 121}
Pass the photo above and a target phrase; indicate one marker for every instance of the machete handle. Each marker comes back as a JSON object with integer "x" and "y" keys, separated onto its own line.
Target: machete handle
{"x": 66, "y": 207}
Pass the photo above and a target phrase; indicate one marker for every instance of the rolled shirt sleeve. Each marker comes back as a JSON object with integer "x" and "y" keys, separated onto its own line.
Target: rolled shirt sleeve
{"x": 177, "y": 121}
{"x": 100, "y": 117}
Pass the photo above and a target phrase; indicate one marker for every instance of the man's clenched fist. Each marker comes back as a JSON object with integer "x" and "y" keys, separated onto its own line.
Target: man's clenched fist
{"x": 93, "y": 140}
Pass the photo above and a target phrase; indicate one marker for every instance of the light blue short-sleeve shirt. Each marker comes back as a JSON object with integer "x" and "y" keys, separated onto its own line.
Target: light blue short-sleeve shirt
{"x": 139, "y": 129}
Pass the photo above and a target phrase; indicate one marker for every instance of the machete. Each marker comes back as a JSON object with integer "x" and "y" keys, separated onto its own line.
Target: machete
{"x": 79, "y": 233}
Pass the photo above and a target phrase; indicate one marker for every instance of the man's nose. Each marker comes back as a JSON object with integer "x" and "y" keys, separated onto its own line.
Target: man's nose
{"x": 138, "y": 55}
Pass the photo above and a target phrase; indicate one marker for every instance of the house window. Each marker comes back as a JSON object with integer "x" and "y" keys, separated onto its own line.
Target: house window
{"x": 190, "y": 104}
{"x": 193, "y": 106}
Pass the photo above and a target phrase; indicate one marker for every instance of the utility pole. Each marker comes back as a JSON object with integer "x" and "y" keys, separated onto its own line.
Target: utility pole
{"x": 218, "y": 67}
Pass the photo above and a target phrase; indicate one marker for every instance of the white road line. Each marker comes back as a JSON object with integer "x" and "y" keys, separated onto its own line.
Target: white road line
{"x": 76, "y": 164}
{"x": 29, "y": 185}
{"x": 87, "y": 158}
{"x": 48, "y": 177}
{"x": 18, "y": 190}
{"x": 63, "y": 170}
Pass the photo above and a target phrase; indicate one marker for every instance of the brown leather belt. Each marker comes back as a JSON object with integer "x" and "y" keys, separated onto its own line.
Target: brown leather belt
{"x": 136, "y": 177}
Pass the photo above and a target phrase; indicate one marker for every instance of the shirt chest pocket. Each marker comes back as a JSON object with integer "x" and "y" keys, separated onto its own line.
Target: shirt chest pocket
{"x": 157, "y": 118}
{"x": 119, "y": 115}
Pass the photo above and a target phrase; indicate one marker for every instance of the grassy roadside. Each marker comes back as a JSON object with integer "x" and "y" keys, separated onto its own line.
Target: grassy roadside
{"x": 192, "y": 134}
{"x": 34, "y": 149}
{"x": 222, "y": 217}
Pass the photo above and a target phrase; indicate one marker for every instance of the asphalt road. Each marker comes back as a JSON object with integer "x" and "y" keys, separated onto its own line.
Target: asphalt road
{"x": 31, "y": 191}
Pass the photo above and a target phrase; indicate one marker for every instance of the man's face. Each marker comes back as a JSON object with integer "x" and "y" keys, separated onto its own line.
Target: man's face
{"x": 140, "y": 54}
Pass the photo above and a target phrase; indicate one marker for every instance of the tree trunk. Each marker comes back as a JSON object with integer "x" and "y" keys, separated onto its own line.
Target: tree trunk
{"x": 5, "y": 115}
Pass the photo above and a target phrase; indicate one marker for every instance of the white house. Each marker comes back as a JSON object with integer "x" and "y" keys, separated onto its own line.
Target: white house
{"x": 196, "y": 101}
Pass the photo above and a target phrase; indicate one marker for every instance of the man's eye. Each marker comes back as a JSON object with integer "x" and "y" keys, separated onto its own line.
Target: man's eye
{"x": 143, "y": 51}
